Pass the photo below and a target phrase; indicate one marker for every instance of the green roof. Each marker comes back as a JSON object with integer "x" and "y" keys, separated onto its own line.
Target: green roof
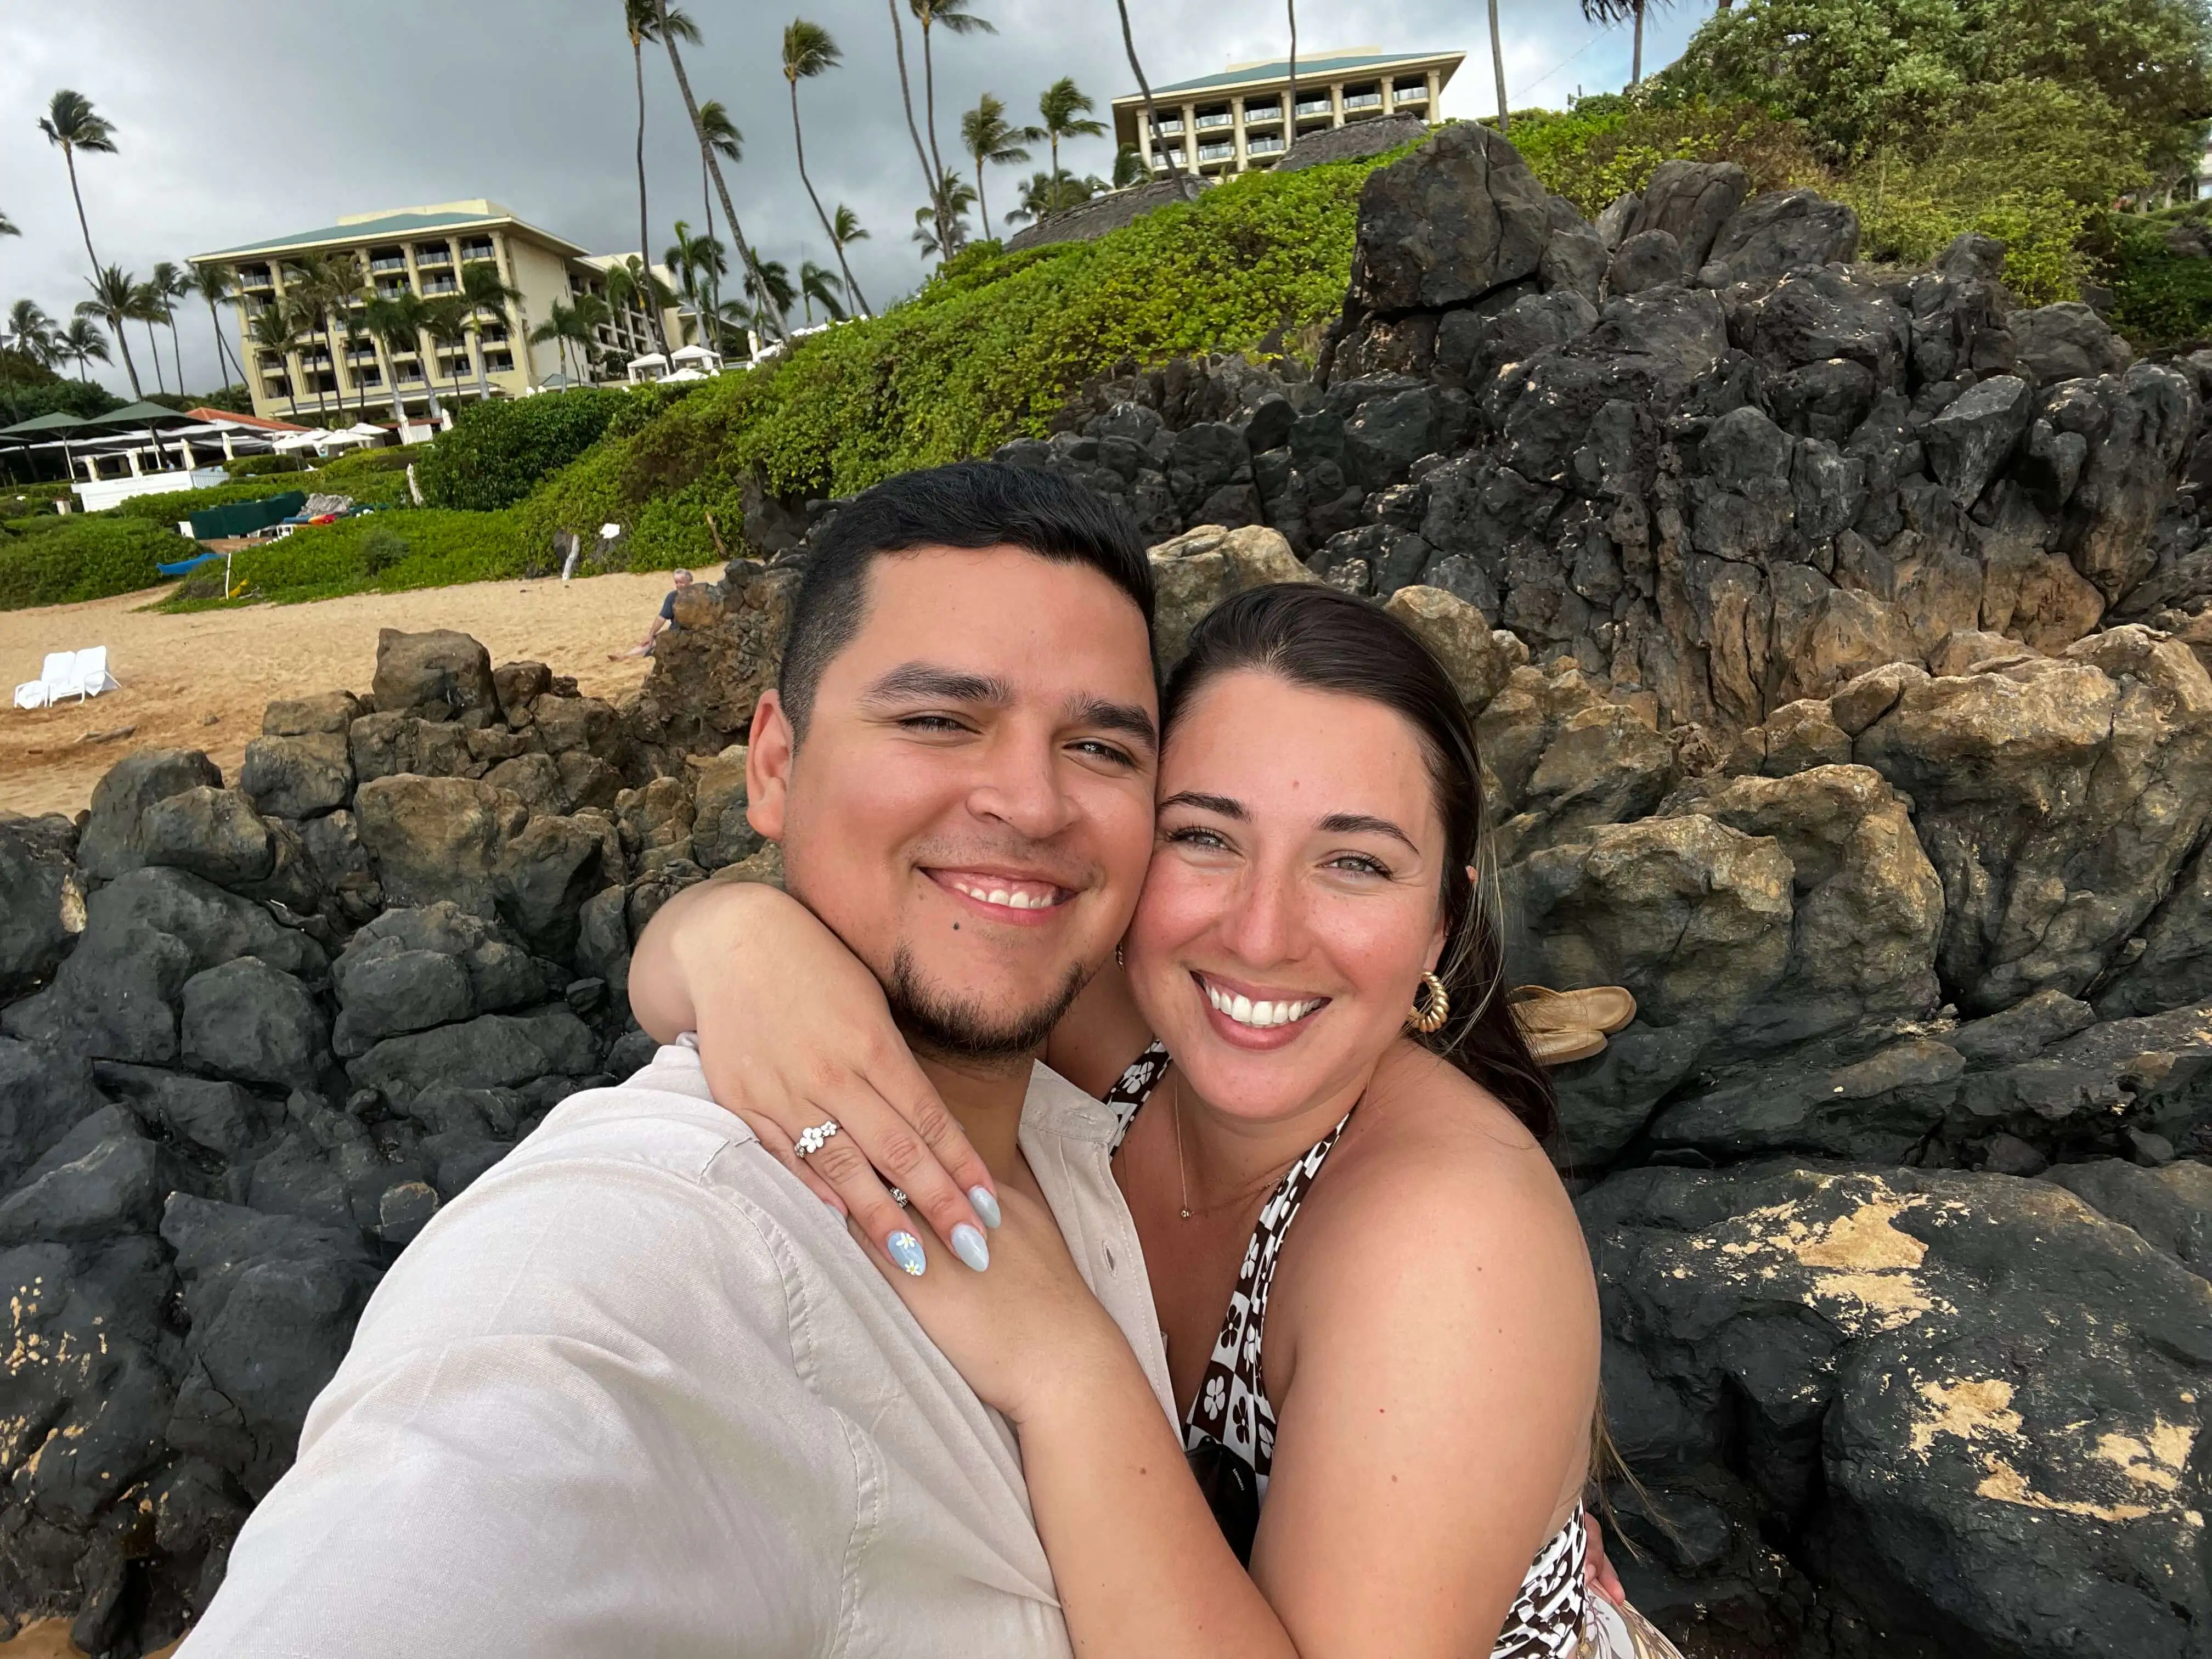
{"x": 59, "y": 421}
{"x": 1280, "y": 68}
{"x": 392, "y": 224}
{"x": 139, "y": 413}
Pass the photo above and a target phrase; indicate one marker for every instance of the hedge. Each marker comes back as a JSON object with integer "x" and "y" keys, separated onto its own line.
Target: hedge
{"x": 65, "y": 560}
{"x": 497, "y": 451}
{"x": 377, "y": 553}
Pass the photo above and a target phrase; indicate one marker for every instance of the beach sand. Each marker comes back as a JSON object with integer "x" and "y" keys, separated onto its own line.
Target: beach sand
{"x": 201, "y": 681}
{"x": 49, "y": 1638}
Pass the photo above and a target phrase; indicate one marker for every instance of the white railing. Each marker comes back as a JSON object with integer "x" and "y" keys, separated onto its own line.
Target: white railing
{"x": 1363, "y": 100}
{"x": 1161, "y": 158}
{"x": 1266, "y": 146}
{"x": 1266, "y": 114}
{"x": 1167, "y": 129}
{"x": 1313, "y": 106}
{"x": 1215, "y": 153}
{"x": 1412, "y": 95}
{"x": 1207, "y": 121}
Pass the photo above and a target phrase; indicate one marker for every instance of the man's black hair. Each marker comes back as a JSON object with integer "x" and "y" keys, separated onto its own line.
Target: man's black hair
{"x": 968, "y": 504}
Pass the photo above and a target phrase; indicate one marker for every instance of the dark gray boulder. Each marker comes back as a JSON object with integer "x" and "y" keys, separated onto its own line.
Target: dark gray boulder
{"x": 2170, "y": 1208}
{"x": 493, "y": 1051}
{"x": 298, "y": 776}
{"x": 2066, "y": 342}
{"x": 1458, "y": 217}
{"x": 257, "y": 1023}
{"x": 1645, "y": 259}
{"x": 271, "y": 1300}
{"x": 41, "y": 900}
{"x": 1774, "y": 233}
{"x": 218, "y": 1117}
{"x": 430, "y": 839}
{"x": 43, "y": 1093}
{"x": 1691, "y": 201}
{"x": 328, "y": 712}
{"x": 389, "y": 992}
{"x": 441, "y": 675}
{"x": 112, "y": 844}
{"x": 213, "y": 833}
{"x": 102, "y": 1177}
{"x": 1975, "y": 435}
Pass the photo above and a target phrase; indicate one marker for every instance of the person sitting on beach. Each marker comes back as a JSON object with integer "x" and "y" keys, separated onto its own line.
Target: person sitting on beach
{"x": 661, "y": 622}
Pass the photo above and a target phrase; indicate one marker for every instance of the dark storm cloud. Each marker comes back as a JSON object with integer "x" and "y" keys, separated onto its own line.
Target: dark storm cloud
{"x": 237, "y": 124}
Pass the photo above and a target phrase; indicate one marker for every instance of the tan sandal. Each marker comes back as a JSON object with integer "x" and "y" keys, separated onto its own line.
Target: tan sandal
{"x": 1563, "y": 1046}
{"x": 1600, "y": 1008}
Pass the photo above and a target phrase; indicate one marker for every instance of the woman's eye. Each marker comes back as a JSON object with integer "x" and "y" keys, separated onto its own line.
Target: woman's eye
{"x": 1360, "y": 864}
{"x": 1195, "y": 836}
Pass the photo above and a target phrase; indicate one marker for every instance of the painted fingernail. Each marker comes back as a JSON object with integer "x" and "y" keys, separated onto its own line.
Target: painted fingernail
{"x": 987, "y": 1204}
{"x": 906, "y": 1250}
{"x": 968, "y": 1244}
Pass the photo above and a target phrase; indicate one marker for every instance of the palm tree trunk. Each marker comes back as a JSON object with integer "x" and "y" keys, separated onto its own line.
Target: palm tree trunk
{"x": 388, "y": 360}
{"x": 1290, "y": 96}
{"x": 929, "y": 120}
{"x": 483, "y": 376}
{"x": 69, "y": 157}
{"x": 799, "y": 143}
{"x": 1636, "y": 59}
{"x": 706, "y": 151}
{"x": 930, "y": 180}
{"x": 122, "y": 339}
{"x": 176, "y": 353}
{"x": 153, "y": 345}
{"x": 644, "y": 231}
{"x": 1145, "y": 149}
{"x": 1497, "y": 66}
{"x": 222, "y": 360}
{"x": 983, "y": 201}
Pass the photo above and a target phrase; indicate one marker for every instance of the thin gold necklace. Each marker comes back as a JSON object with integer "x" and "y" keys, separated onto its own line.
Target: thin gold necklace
{"x": 1182, "y": 1175}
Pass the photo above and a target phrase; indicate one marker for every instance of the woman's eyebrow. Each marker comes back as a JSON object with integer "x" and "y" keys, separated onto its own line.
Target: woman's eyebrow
{"x": 1221, "y": 803}
{"x": 1363, "y": 823}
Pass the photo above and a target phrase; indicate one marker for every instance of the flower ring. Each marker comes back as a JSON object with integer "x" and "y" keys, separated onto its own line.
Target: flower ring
{"x": 810, "y": 1141}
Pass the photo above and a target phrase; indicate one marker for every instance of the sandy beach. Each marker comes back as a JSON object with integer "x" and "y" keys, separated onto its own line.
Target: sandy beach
{"x": 201, "y": 681}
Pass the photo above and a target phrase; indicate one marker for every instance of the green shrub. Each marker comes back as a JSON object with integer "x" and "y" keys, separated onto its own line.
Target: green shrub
{"x": 1609, "y": 145}
{"x": 985, "y": 352}
{"x": 435, "y": 548}
{"x": 63, "y": 560}
{"x": 2159, "y": 299}
{"x": 498, "y": 451}
{"x": 261, "y": 466}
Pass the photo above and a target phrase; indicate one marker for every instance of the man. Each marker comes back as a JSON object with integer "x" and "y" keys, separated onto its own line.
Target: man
{"x": 638, "y": 1390}
{"x": 663, "y": 622}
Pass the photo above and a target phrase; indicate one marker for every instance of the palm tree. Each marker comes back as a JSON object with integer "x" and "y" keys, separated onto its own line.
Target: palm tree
{"x": 451, "y": 322}
{"x": 275, "y": 327}
{"x": 71, "y": 123}
{"x": 1129, "y": 45}
{"x": 845, "y": 229}
{"x": 706, "y": 151}
{"x": 31, "y": 332}
{"x": 216, "y": 283}
{"x": 956, "y": 18}
{"x": 323, "y": 287}
{"x": 302, "y": 320}
{"x": 1066, "y": 108}
{"x": 1497, "y": 63}
{"x": 772, "y": 293}
{"x": 1290, "y": 93}
{"x": 958, "y": 197}
{"x": 115, "y": 301}
{"x": 8, "y": 227}
{"x": 699, "y": 263}
{"x": 1045, "y": 193}
{"x": 172, "y": 284}
{"x": 808, "y": 51}
{"x": 1606, "y": 12}
{"x": 719, "y": 133}
{"x": 1128, "y": 168}
{"x": 984, "y": 130}
{"x": 486, "y": 294}
{"x": 573, "y": 325}
{"x": 80, "y": 344}
{"x": 146, "y": 307}
{"x": 929, "y": 175}
{"x": 819, "y": 282}
{"x": 651, "y": 20}
{"x": 395, "y": 324}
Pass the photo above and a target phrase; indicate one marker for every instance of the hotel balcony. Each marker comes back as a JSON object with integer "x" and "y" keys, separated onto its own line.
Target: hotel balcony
{"x": 1319, "y": 106}
{"x": 1266, "y": 144}
{"x": 1209, "y": 153}
{"x": 473, "y": 253}
{"x": 433, "y": 287}
{"x": 385, "y": 265}
{"x": 1219, "y": 118}
{"x": 426, "y": 257}
{"x": 1161, "y": 158}
{"x": 1168, "y": 127}
{"x": 1406, "y": 96}
{"x": 1358, "y": 100}
{"x": 1264, "y": 115}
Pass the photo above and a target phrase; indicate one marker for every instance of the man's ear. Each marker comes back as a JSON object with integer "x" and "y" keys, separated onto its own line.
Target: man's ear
{"x": 768, "y": 751}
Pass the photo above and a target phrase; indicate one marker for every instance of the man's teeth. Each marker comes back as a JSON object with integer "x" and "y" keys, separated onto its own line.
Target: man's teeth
{"x": 1245, "y": 1012}
{"x": 1011, "y": 900}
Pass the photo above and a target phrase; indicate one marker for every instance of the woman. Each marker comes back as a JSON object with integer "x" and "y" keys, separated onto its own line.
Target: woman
{"x": 1390, "y": 1424}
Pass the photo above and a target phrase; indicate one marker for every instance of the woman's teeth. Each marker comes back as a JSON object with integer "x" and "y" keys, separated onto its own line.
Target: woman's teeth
{"x": 1245, "y": 1012}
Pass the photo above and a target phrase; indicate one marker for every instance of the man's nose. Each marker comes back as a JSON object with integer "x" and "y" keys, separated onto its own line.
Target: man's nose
{"x": 1021, "y": 787}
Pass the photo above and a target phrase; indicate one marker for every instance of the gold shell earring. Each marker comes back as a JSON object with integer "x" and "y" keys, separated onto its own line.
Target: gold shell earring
{"x": 1429, "y": 1020}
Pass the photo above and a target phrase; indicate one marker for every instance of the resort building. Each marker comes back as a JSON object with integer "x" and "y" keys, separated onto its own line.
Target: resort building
{"x": 1235, "y": 121}
{"x": 424, "y": 250}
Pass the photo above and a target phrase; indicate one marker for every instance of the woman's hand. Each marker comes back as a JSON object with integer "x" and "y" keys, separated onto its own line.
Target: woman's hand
{"x": 1027, "y": 1335}
{"x": 793, "y": 1031}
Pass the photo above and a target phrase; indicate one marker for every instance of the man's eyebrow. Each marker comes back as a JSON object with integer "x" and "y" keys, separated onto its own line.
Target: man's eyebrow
{"x": 1222, "y": 805}
{"x": 1364, "y": 823}
{"x": 921, "y": 681}
{"x": 1108, "y": 715}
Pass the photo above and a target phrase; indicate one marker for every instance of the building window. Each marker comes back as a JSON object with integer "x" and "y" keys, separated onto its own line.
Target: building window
{"x": 1265, "y": 144}
{"x": 499, "y": 363}
{"x": 1167, "y": 126}
{"x": 276, "y": 387}
{"x": 383, "y": 261}
{"x": 1257, "y": 113}
{"x": 1310, "y": 106}
{"x": 1211, "y": 153}
{"x": 1410, "y": 92}
{"x": 1369, "y": 96}
{"x": 1217, "y": 117}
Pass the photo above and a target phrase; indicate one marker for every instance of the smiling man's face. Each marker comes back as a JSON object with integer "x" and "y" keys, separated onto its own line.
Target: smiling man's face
{"x": 971, "y": 807}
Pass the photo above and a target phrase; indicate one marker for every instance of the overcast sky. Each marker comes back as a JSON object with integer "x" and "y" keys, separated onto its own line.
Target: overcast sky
{"x": 236, "y": 124}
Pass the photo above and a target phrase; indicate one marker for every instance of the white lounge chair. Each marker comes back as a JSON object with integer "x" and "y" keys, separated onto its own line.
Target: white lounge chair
{"x": 59, "y": 676}
{"x": 91, "y": 675}
{"x": 31, "y": 694}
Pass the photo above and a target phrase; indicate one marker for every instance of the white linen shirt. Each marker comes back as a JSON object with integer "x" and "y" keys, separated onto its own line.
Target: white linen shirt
{"x": 637, "y": 1392}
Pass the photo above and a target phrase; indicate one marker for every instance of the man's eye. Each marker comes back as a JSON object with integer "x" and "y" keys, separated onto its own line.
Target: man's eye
{"x": 935, "y": 723}
{"x": 1097, "y": 749}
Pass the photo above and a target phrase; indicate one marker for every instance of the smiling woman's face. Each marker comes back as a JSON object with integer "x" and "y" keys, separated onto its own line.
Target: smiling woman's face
{"x": 1293, "y": 901}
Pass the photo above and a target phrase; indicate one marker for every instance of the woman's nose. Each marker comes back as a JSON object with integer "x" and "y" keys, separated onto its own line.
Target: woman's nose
{"x": 1263, "y": 919}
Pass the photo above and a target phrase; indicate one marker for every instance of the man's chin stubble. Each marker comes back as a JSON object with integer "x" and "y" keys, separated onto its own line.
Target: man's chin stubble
{"x": 939, "y": 1026}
